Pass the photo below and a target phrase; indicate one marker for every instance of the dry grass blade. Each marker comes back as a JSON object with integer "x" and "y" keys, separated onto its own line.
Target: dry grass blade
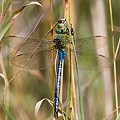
{"x": 16, "y": 13}
{"x": 116, "y": 53}
{"x": 38, "y": 105}
{"x": 6, "y": 25}
{"x": 5, "y": 95}
{"x": 113, "y": 46}
{"x": 6, "y": 87}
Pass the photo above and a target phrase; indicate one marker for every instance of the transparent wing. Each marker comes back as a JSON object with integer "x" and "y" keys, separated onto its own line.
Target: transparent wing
{"x": 93, "y": 61}
{"x": 90, "y": 43}
{"x": 89, "y": 60}
{"x": 39, "y": 60}
{"x": 34, "y": 53}
{"x": 86, "y": 53}
{"x": 26, "y": 45}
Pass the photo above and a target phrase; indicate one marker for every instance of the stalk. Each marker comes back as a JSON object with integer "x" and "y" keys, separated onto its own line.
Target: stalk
{"x": 69, "y": 85}
{"x": 114, "y": 65}
{"x": 51, "y": 25}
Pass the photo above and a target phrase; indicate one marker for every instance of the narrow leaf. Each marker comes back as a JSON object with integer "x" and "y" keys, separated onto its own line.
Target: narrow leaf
{"x": 5, "y": 6}
{"x": 2, "y": 76}
{"x": 7, "y": 113}
{"x": 4, "y": 28}
{"x": 38, "y": 105}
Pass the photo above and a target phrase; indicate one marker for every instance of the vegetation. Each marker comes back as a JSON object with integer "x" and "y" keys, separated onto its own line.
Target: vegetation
{"x": 28, "y": 94}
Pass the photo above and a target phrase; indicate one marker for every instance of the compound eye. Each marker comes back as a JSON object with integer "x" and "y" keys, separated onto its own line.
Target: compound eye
{"x": 59, "y": 21}
{"x": 62, "y": 20}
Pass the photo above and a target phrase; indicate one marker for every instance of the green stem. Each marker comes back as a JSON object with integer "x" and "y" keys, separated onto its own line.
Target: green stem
{"x": 113, "y": 44}
{"x": 79, "y": 83}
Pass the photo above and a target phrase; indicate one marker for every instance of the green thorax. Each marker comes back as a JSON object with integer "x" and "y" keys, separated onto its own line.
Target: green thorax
{"x": 61, "y": 36}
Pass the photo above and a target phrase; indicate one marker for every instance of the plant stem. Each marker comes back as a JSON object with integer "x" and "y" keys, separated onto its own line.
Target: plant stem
{"x": 113, "y": 44}
{"x": 51, "y": 26}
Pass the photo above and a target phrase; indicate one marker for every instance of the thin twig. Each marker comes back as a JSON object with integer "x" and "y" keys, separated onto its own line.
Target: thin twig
{"x": 6, "y": 88}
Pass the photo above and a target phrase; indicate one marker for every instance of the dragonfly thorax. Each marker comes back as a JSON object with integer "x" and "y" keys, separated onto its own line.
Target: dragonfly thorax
{"x": 59, "y": 42}
{"x": 61, "y": 33}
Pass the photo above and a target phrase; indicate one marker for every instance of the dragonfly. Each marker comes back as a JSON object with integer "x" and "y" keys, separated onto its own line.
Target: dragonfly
{"x": 40, "y": 53}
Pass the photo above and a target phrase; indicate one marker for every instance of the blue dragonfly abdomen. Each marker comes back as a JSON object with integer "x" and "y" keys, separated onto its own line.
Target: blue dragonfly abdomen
{"x": 61, "y": 55}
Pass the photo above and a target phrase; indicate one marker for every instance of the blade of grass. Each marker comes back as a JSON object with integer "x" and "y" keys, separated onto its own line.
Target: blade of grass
{"x": 67, "y": 14}
{"x": 38, "y": 105}
{"x": 4, "y": 27}
{"x": 51, "y": 26}
{"x": 7, "y": 113}
{"x": 5, "y": 6}
{"x": 113, "y": 44}
{"x": 69, "y": 95}
{"x": 118, "y": 46}
{"x": 78, "y": 80}
{"x": 6, "y": 87}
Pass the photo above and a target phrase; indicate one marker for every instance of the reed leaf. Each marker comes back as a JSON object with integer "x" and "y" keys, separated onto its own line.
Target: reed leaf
{"x": 114, "y": 55}
{"x": 4, "y": 27}
{"x": 6, "y": 112}
{"x": 5, "y": 6}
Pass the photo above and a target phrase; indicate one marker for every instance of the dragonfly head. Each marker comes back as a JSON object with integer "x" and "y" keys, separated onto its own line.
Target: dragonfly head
{"x": 62, "y": 20}
{"x": 61, "y": 26}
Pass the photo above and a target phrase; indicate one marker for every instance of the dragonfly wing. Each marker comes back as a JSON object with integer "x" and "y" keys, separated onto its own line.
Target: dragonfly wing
{"x": 90, "y": 43}
{"x": 93, "y": 61}
{"x": 13, "y": 41}
{"x": 39, "y": 60}
{"x": 27, "y": 45}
